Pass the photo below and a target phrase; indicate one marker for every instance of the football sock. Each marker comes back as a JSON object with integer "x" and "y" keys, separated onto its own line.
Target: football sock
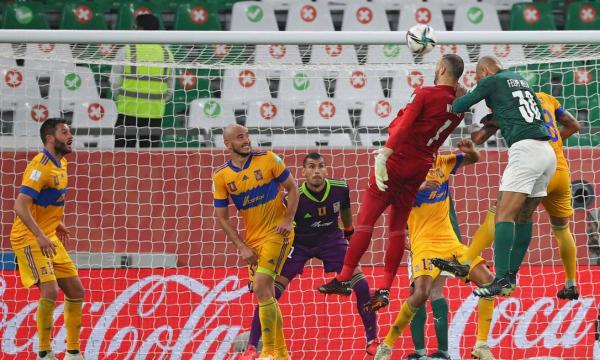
{"x": 72, "y": 315}
{"x": 504, "y": 238}
{"x": 45, "y": 321}
{"x": 404, "y": 317}
{"x": 520, "y": 246}
{"x": 417, "y": 329}
{"x": 255, "y": 328}
{"x": 392, "y": 259}
{"x": 483, "y": 238}
{"x": 267, "y": 311}
{"x": 440, "y": 321}
{"x": 358, "y": 246}
{"x": 361, "y": 289}
{"x": 280, "y": 347}
{"x": 568, "y": 253}
{"x": 485, "y": 311}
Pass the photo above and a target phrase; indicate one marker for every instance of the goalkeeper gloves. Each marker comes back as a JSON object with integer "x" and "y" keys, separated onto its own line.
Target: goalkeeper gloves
{"x": 381, "y": 176}
{"x": 348, "y": 231}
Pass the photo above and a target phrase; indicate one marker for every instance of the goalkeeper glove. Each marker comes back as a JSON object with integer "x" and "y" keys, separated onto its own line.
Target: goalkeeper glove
{"x": 348, "y": 231}
{"x": 381, "y": 176}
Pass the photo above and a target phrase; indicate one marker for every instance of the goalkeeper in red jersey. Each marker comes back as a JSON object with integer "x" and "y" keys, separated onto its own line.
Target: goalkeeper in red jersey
{"x": 400, "y": 167}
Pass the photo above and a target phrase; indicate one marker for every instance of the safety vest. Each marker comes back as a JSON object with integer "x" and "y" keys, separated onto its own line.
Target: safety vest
{"x": 144, "y": 88}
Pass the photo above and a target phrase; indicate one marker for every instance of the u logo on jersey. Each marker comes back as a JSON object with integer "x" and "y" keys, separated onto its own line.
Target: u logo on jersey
{"x": 258, "y": 175}
{"x": 322, "y": 211}
{"x": 231, "y": 186}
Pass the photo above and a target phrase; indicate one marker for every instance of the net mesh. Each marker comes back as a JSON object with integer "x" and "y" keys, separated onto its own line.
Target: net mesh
{"x": 162, "y": 279}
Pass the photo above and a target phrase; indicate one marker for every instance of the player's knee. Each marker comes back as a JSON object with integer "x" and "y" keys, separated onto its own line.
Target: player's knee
{"x": 559, "y": 221}
{"x": 49, "y": 290}
{"x": 419, "y": 296}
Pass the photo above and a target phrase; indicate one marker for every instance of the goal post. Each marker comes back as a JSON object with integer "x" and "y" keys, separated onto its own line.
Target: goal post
{"x": 162, "y": 279}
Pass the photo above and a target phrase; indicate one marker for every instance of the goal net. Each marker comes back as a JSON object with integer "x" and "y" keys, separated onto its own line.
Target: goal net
{"x": 162, "y": 280}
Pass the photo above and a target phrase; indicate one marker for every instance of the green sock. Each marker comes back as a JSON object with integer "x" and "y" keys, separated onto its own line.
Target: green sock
{"x": 504, "y": 238}
{"x": 417, "y": 328}
{"x": 440, "y": 320}
{"x": 522, "y": 239}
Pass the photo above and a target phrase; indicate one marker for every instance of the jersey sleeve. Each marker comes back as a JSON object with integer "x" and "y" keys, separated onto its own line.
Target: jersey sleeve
{"x": 345, "y": 203}
{"x": 483, "y": 88}
{"x": 558, "y": 109}
{"x": 456, "y": 163}
{"x": 280, "y": 171}
{"x": 220, "y": 193}
{"x": 34, "y": 179}
{"x": 400, "y": 127}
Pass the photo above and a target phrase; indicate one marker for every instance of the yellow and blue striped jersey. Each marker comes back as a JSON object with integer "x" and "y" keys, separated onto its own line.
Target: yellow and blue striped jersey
{"x": 45, "y": 181}
{"x": 255, "y": 191}
{"x": 429, "y": 219}
{"x": 552, "y": 109}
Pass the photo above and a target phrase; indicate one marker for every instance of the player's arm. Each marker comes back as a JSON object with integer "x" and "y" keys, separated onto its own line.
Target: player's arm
{"x": 470, "y": 153}
{"x": 23, "y": 211}
{"x": 346, "y": 216}
{"x": 478, "y": 93}
{"x": 569, "y": 123}
{"x": 293, "y": 196}
{"x": 490, "y": 127}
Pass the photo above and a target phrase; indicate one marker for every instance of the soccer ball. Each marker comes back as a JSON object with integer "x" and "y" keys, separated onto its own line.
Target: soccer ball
{"x": 420, "y": 39}
{"x": 241, "y": 341}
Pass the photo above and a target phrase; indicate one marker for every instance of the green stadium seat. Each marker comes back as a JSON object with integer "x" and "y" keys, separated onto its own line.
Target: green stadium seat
{"x": 583, "y": 16}
{"x": 579, "y": 85}
{"x": 531, "y": 16}
{"x": 129, "y": 10}
{"x": 83, "y": 15}
{"x": 197, "y": 15}
{"x": 538, "y": 75}
{"x": 24, "y": 15}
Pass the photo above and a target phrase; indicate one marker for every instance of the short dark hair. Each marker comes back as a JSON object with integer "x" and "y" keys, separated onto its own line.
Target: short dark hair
{"x": 454, "y": 64}
{"x": 312, "y": 156}
{"x": 49, "y": 127}
{"x": 147, "y": 22}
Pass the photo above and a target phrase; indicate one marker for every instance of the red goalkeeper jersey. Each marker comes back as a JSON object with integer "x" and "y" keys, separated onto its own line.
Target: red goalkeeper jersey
{"x": 424, "y": 124}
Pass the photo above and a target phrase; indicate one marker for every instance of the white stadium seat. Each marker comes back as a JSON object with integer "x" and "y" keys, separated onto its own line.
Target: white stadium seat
{"x": 409, "y": 79}
{"x": 30, "y": 115}
{"x": 41, "y": 58}
{"x": 298, "y": 87}
{"x": 389, "y": 54}
{"x": 476, "y": 17}
{"x": 309, "y": 141}
{"x": 259, "y": 141}
{"x": 422, "y": 13}
{"x": 333, "y": 55}
{"x": 278, "y": 4}
{"x": 244, "y": 85}
{"x": 7, "y": 57}
{"x": 308, "y": 15}
{"x": 376, "y": 139}
{"x": 358, "y": 85}
{"x": 99, "y": 114}
{"x": 253, "y": 16}
{"x": 326, "y": 113}
{"x": 269, "y": 113}
{"x": 279, "y": 55}
{"x": 364, "y": 16}
{"x": 210, "y": 114}
{"x": 69, "y": 86}
{"x": 16, "y": 85}
{"x": 379, "y": 113}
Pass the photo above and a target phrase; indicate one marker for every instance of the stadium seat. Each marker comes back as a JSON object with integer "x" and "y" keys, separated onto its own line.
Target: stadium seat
{"x": 373, "y": 139}
{"x": 129, "y": 10}
{"x": 41, "y": 58}
{"x": 301, "y": 86}
{"x": 422, "y": 13}
{"x": 309, "y": 16}
{"x": 83, "y": 15}
{"x": 389, "y": 54}
{"x": 191, "y": 84}
{"x": 326, "y": 114}
{"x": 269, "y": 114}
{"x": 439, "y": 50}
{"x": 209, "y": 114}
{"x": 359, "y": 16}
{"x": 7, "y": 59}
{"x": 407, "y": 80}
{"x": 503, "y": 52}
{"x": 476, "y": 17}
{"x": 531, "y": 16}
{"x": 94, "y": 114}
{"x": 254, "y": 16}
{"x": 244, "y": 85}
{"x": 16, "y": 85}
{"x": 310, "y": 141}
{"x": 538, "y": 76}
{"x": 279, "y": 4}
{"x": 24, "y": 15}
{"x": 379, "y": 113}
{"x": 503, "y": 5}
{"x": 278, "y": 55}
{"x": 580, "y": 88}
{"x": 583, "y": 16}
{"x": 68, "y": 87}
{"x": 333, "y": 55}
{"x": 197, "y": 15}
{"x": 358, "y": 85}
{"x": 451, "y": 4}
{"x": 30, "y": 114}
{"x": 262, "y": 141}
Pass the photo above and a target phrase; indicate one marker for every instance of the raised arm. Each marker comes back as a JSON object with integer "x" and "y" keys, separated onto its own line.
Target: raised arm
{"x": 569, "y": 123}
{"x": 490, "y": 127}
{"x": 478, "y": 93}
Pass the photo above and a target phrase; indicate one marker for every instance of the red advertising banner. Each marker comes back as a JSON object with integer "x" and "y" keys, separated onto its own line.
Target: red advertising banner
{"x": 196, "y": 313}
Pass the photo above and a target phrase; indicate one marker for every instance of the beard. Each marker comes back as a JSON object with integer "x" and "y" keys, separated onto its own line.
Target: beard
{"x": 61, "y": 148}
{"x": 240, "y": 153}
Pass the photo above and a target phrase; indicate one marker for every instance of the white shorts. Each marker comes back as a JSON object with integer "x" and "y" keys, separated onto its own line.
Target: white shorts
{"x": 531, "y": 165}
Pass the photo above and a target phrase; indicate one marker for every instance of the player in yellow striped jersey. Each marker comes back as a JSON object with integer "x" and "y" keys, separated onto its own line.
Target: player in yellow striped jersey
{"x": 557, "y": 203}
{"x": 253, "y": 181}
{"x": 36, "y": 238}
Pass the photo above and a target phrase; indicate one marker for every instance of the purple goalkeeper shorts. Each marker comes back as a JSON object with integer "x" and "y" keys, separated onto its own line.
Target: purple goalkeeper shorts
{"x": 331, "y": 250}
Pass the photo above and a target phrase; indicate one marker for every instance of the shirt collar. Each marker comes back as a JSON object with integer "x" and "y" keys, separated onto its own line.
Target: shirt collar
{"x": 56, "y": 162}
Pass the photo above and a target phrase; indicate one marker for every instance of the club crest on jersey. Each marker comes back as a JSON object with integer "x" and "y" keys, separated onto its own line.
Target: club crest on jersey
{"x": 258, "y": 175}
{"x": 322, "y": 211}
{"x": 231, "y": 186}
{"x": 336, "y": 207}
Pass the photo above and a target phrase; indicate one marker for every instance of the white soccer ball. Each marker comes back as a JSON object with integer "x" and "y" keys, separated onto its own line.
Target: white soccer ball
{"x": 421, "y": 39}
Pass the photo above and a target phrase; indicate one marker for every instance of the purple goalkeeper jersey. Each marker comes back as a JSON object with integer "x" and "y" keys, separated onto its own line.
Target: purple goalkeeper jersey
{"x": 317, "y": 215}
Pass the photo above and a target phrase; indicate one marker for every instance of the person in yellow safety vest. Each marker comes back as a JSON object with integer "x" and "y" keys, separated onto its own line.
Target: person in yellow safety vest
{"x": 141, "y": 89}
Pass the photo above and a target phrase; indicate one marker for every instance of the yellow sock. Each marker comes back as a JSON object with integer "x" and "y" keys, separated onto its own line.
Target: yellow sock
{"x": 73, "y": 322}
{"x": 267, "y": 312}
{"x": 45, "y": 321}
{"x": 485, "y": 311}
{"x": 407, "y": 312}
{"x": 568, "y": 252}
{"x": 280, "y": 347}
{"x": 483, "y": 238}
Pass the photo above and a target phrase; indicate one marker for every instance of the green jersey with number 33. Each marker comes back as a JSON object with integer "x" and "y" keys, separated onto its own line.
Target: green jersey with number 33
{"x": 514, "y": 106}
